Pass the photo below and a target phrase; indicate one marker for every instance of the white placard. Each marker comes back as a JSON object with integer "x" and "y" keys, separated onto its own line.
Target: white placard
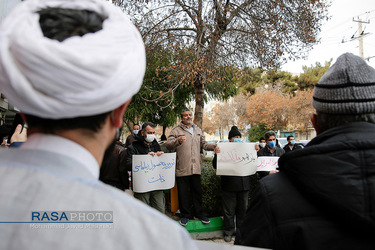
{"x": 236, "y": 159}
{"x": 267, "y": 163}
{"x": 153, "y": 172}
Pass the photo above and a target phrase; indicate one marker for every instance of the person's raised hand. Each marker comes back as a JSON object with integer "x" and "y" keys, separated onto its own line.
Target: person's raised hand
{"x": 151, "y": 153}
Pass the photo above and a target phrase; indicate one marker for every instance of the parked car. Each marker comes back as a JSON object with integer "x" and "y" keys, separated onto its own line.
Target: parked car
{"x": 224, "y": 140}
{"x": 209, "y": 154}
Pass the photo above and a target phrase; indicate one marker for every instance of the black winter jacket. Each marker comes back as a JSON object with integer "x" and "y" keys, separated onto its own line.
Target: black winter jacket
{"x": 295, "y": 146}
{"x": 233, "y": 183}
{"x": 322, "y": 198}
{"x": 113, "y": 170}
{"x": 265, "y": 151}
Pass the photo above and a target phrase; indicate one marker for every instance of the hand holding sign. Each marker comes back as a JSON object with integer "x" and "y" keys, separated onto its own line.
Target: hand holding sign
{"x": 236, "y": 159}
{"x": 153, "y": 172}
{"x": 267, "y": 163}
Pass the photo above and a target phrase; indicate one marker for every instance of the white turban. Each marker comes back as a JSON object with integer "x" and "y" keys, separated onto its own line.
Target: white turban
{"x": 80, "y": 76}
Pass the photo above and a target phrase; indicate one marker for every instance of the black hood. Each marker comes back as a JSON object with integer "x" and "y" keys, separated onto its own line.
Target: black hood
{"x": 139, "y": 137}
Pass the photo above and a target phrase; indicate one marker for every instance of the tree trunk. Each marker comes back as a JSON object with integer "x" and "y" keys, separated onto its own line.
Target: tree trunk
{"x": 164, "y": 128}
{"x": 199, "y": 102}
{"x": 199, "y": 82}
{"x": 130, "y": 125}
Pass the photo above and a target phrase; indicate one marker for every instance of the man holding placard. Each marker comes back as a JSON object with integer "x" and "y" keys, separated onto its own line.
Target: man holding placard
{"x": 146, "y": 144}
{"x": 235, "y": 193}
{"x": 270, "y": 150}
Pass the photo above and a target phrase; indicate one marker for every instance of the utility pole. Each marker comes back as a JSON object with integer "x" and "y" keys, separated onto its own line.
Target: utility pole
{"x": 361, "y": 34}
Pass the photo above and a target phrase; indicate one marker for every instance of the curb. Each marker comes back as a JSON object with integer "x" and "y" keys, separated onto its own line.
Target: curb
{"x": 200, "y": 231}
{"x": 196, "y": 226}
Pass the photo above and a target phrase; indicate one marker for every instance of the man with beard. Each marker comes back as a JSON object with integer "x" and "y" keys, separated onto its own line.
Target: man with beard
{"x": 188, "y": 140}
{"x": 72, "y": 67}
{"x": 146, "y": 144}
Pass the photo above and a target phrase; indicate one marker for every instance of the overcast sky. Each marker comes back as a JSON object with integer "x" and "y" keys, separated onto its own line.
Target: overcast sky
{"x": 335, "y": 36}
{"x": 337, "y": 32}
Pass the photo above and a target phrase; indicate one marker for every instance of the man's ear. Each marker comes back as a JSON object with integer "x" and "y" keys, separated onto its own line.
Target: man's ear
{"x": 315, "y": 121}
{"x": 118, "y": 113}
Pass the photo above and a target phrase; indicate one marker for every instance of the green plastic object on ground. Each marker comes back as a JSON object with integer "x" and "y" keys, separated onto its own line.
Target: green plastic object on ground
{"x": 196, "y": 226}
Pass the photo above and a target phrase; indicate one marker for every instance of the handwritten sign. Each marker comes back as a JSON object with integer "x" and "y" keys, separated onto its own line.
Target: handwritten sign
{"x": 236, "y": 159}
{"x": 266, "y": 163}
{"x": 153, "y": 172}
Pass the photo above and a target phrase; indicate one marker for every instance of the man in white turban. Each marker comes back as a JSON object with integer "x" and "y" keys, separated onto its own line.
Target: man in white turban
{"x": 71, "y": 67}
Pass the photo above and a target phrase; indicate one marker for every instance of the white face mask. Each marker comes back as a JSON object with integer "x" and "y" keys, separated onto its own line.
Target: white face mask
{"x": 150, "y": 138}
{"x": 262, "y": 144}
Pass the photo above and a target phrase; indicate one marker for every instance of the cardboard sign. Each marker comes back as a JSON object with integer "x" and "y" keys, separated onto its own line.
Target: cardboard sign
{"x": 267, "y": 163}
{"x": 236, "y": 159}
{"x": 153, "y": 172}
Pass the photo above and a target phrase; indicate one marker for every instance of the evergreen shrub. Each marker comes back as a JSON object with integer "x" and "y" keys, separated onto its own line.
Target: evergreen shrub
{"x": 211, "y": 190}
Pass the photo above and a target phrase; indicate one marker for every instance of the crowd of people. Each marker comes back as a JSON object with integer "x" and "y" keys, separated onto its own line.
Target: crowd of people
{"x": 72, "y": 67}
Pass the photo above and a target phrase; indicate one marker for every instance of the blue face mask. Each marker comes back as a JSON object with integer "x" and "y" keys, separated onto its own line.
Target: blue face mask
{"x": 292, "y": 142}
{"x": 135, "y": 131}
{"x": 272, "y": 144}
{"x": 237, "y": 140}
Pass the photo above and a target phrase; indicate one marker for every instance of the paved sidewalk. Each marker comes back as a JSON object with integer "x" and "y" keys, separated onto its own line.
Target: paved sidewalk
{"x": 213, "y": 239}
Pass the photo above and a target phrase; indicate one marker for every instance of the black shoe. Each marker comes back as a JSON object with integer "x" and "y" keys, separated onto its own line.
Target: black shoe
{"x": 204, "y": 219}
{"x": 184, "y": 221}
{"x": 228, "y": 238}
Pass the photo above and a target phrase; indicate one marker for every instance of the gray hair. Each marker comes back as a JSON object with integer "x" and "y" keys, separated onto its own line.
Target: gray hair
{"x": 182, "y": 112}
{"x": 144, "y": 126}
{"x": 268, "y": 134}
{"x": 327, "y": 121}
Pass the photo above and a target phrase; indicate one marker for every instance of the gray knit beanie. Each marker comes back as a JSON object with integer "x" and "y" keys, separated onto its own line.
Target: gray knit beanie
{"x": 348, "y": 87}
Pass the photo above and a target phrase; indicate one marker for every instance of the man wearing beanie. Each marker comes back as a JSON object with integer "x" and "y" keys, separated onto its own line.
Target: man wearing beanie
{"x": 235, "y": 194}
{"x": 323, "y": 197}
{"x": 71, "y": 67}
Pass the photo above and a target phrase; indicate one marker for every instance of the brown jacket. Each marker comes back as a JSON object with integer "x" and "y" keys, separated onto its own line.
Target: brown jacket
{"x": 188, "y": 160}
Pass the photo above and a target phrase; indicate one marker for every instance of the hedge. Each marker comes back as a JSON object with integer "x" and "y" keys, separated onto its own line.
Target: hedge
{"x": 211, "y": 190}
